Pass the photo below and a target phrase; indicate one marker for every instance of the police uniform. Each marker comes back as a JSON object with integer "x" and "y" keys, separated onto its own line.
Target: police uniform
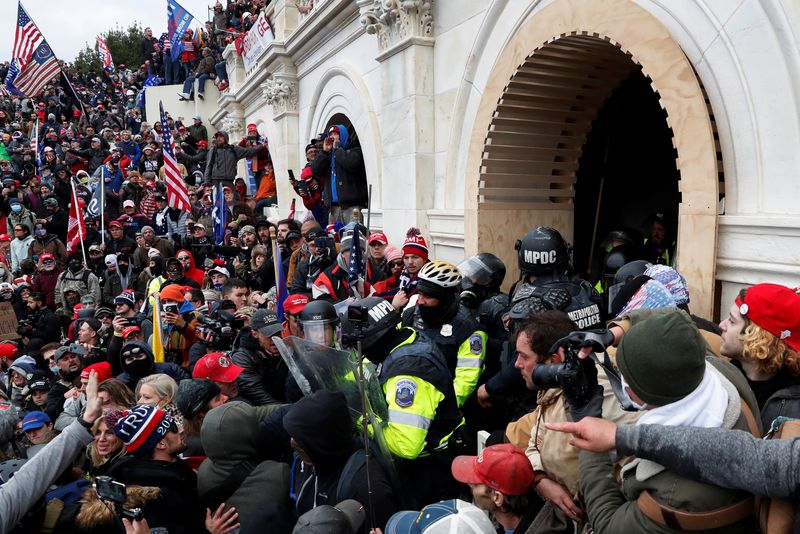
{"x": 572, "y": 295}
{"x": 463, "y": 345}
{"x": 422, "y": 417}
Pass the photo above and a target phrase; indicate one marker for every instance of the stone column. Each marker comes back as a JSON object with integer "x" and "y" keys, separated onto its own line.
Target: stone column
{"x": 235, "y": 67}
{"x": 405, "y": 40}
{"x": 280, "y": 92}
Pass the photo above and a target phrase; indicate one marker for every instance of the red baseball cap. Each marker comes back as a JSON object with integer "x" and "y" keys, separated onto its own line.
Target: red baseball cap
{"x": 380, "y": 237}
{"x": 8, "y": 350}
{"x": 5, "y": 237}
{"x": 774, "y": 308}
{"x": 294, "y": 304}
{"x": 128, "y": 330}
{"x": 115, "y": 223}
{"x": 103, "y": 370}
{"x": 217, "y": 367}
{"x": 503, "y": 468}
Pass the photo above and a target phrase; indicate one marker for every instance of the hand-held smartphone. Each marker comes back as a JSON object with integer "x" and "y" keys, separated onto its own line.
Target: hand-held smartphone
{"x": 291, "y": 176}
{"x": 109, "y": 489}
{"x": 171, "y": 308}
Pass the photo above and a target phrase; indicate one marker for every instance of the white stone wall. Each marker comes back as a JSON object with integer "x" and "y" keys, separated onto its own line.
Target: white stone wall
{"x": 415, "y": 111}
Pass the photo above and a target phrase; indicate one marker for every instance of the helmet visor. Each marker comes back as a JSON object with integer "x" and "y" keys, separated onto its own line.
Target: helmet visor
{"x": 475, "y": 271}
{"x": 322, "y": 332}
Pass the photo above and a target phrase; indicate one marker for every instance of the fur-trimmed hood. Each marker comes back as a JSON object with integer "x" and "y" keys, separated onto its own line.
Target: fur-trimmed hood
{"x": 94, "y": 513}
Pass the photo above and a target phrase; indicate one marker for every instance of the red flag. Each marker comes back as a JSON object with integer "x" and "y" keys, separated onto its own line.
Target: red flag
{"x": 76, "y": 232}
{"x": 291, "y": 210}
{"x": 177, "y": 196}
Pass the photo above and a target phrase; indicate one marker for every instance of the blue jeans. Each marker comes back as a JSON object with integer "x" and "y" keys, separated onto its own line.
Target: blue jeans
{"x": 188, "y": 85}
{"x": 171, "y": 70}
{"x": 201, "y": 84}
{"x": 222, "y": 71}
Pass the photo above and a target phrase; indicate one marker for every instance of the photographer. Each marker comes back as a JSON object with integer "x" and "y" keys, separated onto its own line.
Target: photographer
{"x": 555, "y": 462}
{"x": 41, "y": 322}
{"x": 341, "y": 165}
{"x": 181, "y": 322}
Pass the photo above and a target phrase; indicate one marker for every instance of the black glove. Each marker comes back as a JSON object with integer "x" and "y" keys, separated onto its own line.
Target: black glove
{"x": 593, "y": 408}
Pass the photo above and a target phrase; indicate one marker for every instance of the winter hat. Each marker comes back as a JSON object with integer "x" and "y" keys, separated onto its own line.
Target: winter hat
{"x": 774, "y": 308}
{"x": 146, "y": 228}
{"x": 651, "y": 296}
{"x": 13, "y": 200}
{"x": 103, "y": 370}
{"x": 247, "y": 228}
{"x": 152, "y": 253}
{"x": 126, "y": 297}
{"x": 415, "y": 244}
{"x": 346, "y": 517}
{"x": 142, "y": 427}
{"x": 392, "y": 254}
{"x": 111, "y": 259}
{"x": 173, "y": 292}
{"x": 672, "y": 280}
{"x": 663, "y": 358}
{"x": 194, "y": 395}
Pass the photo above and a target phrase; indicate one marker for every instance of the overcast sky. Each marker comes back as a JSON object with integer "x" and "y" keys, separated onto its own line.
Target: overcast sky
{"x": 69, "y": 24}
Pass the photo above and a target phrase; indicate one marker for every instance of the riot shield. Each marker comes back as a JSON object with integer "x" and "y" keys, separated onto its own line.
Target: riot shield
{"x": 318, "y": 367}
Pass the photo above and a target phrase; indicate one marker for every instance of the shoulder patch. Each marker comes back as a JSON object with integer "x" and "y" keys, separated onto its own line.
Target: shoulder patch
{"x": 404, "y": 392}
{"x": 475, "y": 344}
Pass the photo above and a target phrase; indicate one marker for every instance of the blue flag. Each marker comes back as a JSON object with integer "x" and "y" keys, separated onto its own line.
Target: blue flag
{"x": 96, "y": 204}
{"x": 178, "y": 21}
{"x": 219, "y": 215}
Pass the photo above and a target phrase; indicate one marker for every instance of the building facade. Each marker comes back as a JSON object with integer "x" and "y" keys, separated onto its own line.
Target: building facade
{"x": 480, "y": 119}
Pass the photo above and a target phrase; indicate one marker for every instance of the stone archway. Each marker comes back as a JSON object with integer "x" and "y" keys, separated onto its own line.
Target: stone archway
{"x": 544, "y": 91}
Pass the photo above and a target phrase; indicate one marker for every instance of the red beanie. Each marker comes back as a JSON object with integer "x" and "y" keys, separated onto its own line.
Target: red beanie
{"x": 415, "y": 244}
{"x": 173, "y": 292}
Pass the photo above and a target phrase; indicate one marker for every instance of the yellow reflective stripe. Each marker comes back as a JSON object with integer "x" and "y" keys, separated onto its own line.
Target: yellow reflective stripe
{"x": 404, "y": 436}
{"x": 409, "y": 419}
{"x": 467, "y": 374}
{"x": 599, "y": 287}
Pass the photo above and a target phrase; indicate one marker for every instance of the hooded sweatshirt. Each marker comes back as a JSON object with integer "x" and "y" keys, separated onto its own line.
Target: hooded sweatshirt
{"x": 321, "y": 425}
{"x": 192, "y": 272}
{"x": 230, "y": 436}
{"x": 141, "y": 368}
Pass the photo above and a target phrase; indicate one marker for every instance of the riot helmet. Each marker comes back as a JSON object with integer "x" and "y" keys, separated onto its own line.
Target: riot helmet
{"x": 481, "y": 274}
{"x": 320, "y": 323}
{"x": 368, "y": 320}
{"x": 613, "y": 262}
{"x": 543, "y": 251}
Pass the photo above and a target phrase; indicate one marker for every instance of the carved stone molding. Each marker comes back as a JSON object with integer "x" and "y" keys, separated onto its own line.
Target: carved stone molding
{"x": 394, "y": 21}
{"x": 234, "y": 126}
{"x": 281, "y": 93}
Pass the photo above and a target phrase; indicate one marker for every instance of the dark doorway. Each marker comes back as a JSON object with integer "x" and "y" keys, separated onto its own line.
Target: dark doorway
{"x": 628, "y": 167}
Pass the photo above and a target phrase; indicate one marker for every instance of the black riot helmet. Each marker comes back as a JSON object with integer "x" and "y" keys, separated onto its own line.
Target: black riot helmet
{"x": 368, "y": 320}
{"x": 543, "y": 251}
{"x": 320, "y": 322}
{"x": 482, "y": 275}
{"x": 614, "y": 261}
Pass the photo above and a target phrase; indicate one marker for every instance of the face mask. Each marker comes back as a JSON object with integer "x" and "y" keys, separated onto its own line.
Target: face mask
{"x": 217, "y": 287}
{"x": 122, "y": 266}
{"x": 139, "y": 367}
{"x": 16, "y": 208}
{"x": 174, "y": 275}
{"x": 54, "y": 370}
{"x": 71, "y": 302}
{"x": 75, "y": 267}
{"x": 627, "y": 403}
{"x": 41, "y": 232}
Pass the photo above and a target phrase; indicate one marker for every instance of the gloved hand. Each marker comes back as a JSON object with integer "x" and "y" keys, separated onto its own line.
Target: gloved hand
{"x": 592, "y": 408}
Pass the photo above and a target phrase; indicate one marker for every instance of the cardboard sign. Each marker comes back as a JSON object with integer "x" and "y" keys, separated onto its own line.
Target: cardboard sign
{"x": 8, "y": 322}
{"x": 256, "y": 40}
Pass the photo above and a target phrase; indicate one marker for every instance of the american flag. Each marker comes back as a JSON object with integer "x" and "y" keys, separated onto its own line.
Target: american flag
{"x": 355, "y": 269}
{"x": 33, "y": 64}
{"x": 105, "y": 54}
{"x": 177, "y": 196}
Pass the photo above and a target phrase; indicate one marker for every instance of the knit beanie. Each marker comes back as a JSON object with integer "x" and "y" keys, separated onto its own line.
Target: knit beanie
{"x": 126, "y": 297}
{"x": 173, "y": 292}
{"x": 663, "y": 358}
{"x": 392, "y": 254}
{"x": 142, "y": 427}
{"x": 415, "y": 244}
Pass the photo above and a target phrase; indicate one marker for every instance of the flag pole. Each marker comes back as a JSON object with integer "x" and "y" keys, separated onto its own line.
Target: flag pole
{"x": 103, "y": 206}
{"x": 78, "y": 217}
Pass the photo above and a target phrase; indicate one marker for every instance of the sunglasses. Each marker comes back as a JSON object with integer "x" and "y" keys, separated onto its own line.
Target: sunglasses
{"x": 48, "y": 262}
{"x": 136, "y": 353}
{"x": 184, "y": 258}
{"x": 398, "y": 263}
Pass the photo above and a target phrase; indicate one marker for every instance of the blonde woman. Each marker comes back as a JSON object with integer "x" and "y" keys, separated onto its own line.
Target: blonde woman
{"x": 106, "y": 448}
{"x": 156, "y": 390}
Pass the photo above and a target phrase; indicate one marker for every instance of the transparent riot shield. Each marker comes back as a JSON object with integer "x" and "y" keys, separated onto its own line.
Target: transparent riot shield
{"x": 318, "y": 367}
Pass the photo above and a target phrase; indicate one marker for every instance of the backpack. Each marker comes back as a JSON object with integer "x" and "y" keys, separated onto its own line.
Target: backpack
{"x": 778, "y": 516}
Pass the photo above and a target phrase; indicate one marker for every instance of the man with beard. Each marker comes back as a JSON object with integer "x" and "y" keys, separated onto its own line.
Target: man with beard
{"x": 152, "y": 241}
{"x": 77, "y": 277}
{"x": 68, "y": 361}
{"x": 154, "y": 443}
{"x": 45, "y": 279}
{"x": 439, "y": 315}
{"x": 46, "y": 243}
{"x": 55, "y": 219}
{"x": 42, "y": 323}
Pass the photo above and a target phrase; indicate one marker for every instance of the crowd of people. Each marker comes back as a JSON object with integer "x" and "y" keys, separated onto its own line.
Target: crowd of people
{"x": 217, "y": 369}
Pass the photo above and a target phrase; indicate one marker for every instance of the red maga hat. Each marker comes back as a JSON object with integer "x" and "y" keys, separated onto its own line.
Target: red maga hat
{"x": 774, "y": 308}
{"x": 503, "y": 468}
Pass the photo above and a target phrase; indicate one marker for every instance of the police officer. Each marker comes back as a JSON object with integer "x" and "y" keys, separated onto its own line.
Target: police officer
{"x": 548, "y": 282}
{"x": 418, "y": 387}
{"x": 482, "y": 276}
{"x": 441, "y": 317}
{"x": 320, "y": 323}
